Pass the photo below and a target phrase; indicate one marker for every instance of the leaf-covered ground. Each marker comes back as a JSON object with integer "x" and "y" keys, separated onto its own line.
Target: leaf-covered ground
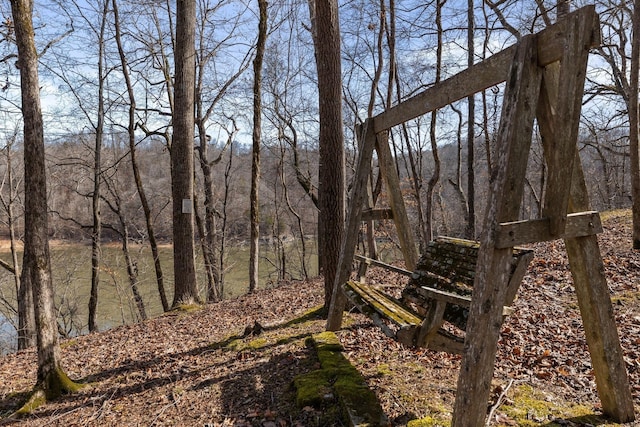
{"x": 213, "y": 366}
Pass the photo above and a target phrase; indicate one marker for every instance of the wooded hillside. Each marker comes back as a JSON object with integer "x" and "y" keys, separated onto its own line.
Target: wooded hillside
{"x": 215, "y": 366}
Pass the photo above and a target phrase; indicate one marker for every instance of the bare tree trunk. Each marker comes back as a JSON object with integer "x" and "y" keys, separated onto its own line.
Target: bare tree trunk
{"x": 457, "y": 184}
{"x": 285, "y": 188}
{"x": 255, "y": 157}
{"x": 134, "y": 164}
{"x": 186, "y": 290}
{"x": 123, "y": 232}
{"x": 634, "y": 146}
{"x": 96, "y": 233}
{"x": 206, "y": 231}
{"x": 435, "y": 177}
{"x": 207, "y": 228}
{"x": 132, "y": 270}
{"x": 471, "y": 136}
{"x": 26, "y": 317}
{"x": 26, "y": 321}
{"x": 331, "y": 170}
{"x": 51, "y": 380}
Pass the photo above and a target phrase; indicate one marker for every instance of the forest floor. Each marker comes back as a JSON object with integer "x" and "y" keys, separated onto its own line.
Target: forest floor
{"x": 205, "y": 367}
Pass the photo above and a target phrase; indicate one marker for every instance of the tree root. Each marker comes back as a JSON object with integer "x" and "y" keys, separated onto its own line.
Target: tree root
{"x": 56, "y": 384}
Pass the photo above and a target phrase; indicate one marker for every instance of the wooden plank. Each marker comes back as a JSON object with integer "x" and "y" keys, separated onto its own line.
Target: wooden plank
{"x": 539, "y": 230}
{"x": 431, "y": 324}
{"x": 368, "y": 311}
{"x": 600, "y": 328}
{"x": 350, "y": 235}
{"x": 485, "y": 74}
{"x": 383, "y": 304}
{"x": 565, "y": 122}
{"x": 396, "y": 201}
{"x": 522, "y": 261}
{"x": 377, "y": 214}
{"x": 476, "y": 78}
{"x": 594, "y": 300}
{"x": 494, "y": 264}
{"x": 386, "y": 266}
{"x": 448, "y": 297}
{"x": 446, "y": 341}
{"x": 552, "y": 40}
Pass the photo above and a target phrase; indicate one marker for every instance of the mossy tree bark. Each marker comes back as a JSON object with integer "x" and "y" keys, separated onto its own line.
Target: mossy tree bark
{"x": 51, "y": 379}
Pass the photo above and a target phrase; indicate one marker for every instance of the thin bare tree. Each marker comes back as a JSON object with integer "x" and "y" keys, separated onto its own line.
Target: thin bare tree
{"x": 254, "y": 250}
{"x": 26, "y": 321}
{"x": 96, "y": 231}
{"x": 131, "y": 128}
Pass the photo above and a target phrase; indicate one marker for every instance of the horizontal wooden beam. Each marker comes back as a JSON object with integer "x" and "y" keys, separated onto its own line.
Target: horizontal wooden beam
{"x": 485, "y": 74}
{"x": 386, "y": 266}
{"x": 539, "y": 230}
{"x": 474, "y": 79}
{"x": 376, "y": 214}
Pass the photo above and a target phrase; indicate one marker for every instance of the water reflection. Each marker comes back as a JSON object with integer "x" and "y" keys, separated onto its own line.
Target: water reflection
{"x": 8, "y": 336}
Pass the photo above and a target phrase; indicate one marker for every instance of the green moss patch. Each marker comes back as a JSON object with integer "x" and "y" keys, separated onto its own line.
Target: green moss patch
{"x": 429, "y": 422}
{"x": 187, "y": 308}
{"x": 530, "y": 407}
{"x": 338, "y": 379}
{"x": 37, "y": 399}
{"x": 313, "y": 389}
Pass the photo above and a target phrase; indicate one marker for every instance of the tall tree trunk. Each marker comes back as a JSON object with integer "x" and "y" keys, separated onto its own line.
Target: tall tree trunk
{"x": 634, "y": 146}
{"x": 254, "y": 251}
{"x": 185, "y": 285}
{"x": 331, "y": 197}
{"x": 96, "y": 233}
{"x": 134, "y": 163}
{"x": 435, "y": 176}
{"x": 51, "y": 380}
{"x": 471, "y": 135}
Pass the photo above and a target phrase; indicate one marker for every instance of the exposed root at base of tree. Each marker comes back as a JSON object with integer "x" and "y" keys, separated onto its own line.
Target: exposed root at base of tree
{"x": 57, "y": 383}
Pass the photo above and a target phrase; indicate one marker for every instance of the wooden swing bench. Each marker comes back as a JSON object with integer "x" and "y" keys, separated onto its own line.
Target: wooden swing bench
{"x": 438, "y": 291}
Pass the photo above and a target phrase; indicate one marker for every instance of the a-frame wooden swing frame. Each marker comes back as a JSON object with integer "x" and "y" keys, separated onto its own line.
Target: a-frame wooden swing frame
{"x": 544, "y": 78}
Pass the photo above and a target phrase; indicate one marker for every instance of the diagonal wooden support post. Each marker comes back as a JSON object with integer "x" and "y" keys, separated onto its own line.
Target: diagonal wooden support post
{"x": 561, "y": 144}
{"x": 587, "y": 270}
{"x": 396, "y": 201}
{"x": 507, "y": 186}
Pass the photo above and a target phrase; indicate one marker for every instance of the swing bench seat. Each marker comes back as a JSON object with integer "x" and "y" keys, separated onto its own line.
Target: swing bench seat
{"x": 434, "y": 307}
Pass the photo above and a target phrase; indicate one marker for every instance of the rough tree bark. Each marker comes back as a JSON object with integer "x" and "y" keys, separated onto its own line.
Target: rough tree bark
{"x": 51, "y": 380}
{"x": 471, "y": 190}
{"x": 634, "y": 145}
{"x": 331, "y": 169}
{"x": 185, "y": 286}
